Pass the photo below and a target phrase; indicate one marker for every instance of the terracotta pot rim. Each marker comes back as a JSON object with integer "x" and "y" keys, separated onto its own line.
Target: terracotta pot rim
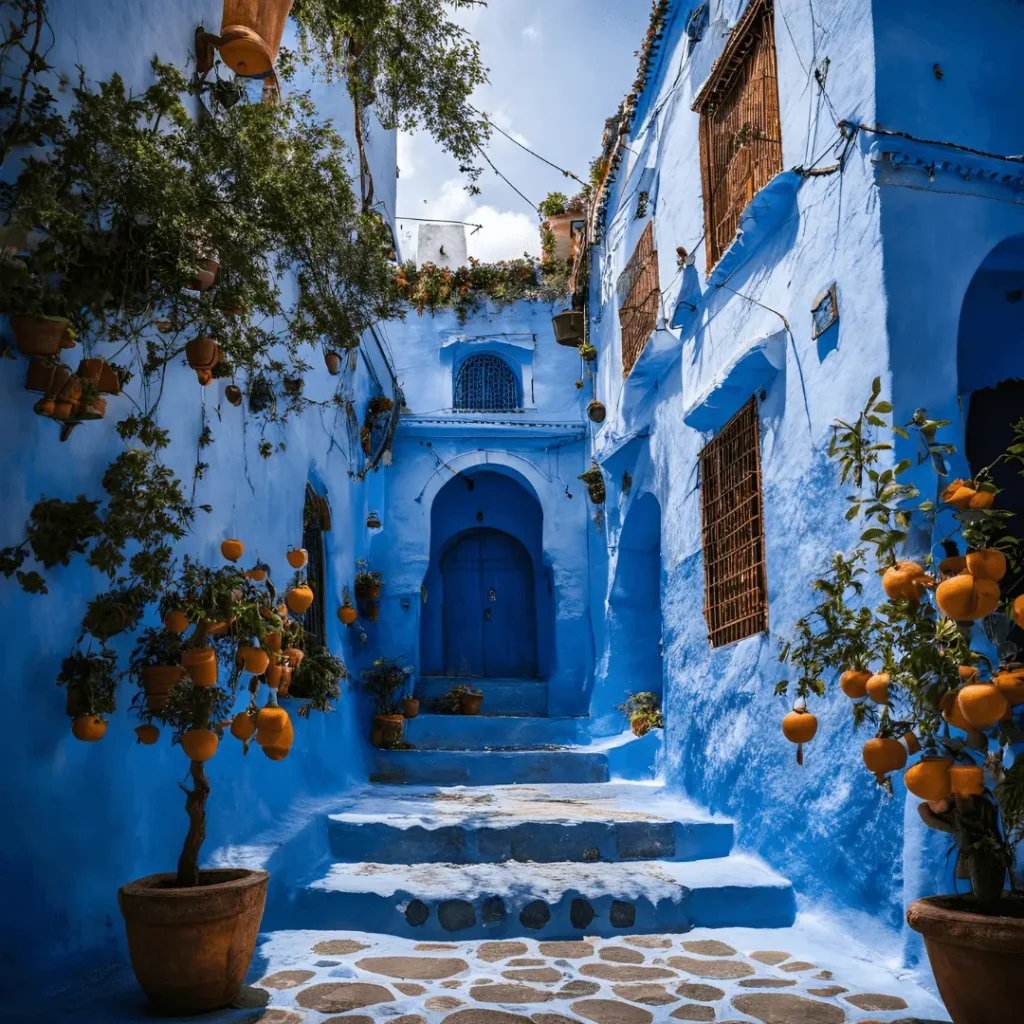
{"x": 941, "y": 919}
{"x": 233, "y": 878}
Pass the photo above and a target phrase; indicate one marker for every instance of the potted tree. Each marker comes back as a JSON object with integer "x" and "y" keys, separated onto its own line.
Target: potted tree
{"x": 385, "y": 680}
{"x": 461, "y": 699}
{"x": 91, "y": 681}
{"x": 933, "y": 674}
{"x": 191, "y": 933}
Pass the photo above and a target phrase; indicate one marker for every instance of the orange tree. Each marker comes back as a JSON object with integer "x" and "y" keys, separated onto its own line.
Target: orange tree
{"x": 920, "y": 677}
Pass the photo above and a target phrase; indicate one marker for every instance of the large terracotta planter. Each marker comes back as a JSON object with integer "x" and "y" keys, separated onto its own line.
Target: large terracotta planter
{"x": 976, "y": 958}
{"x": 41, "y": 335}
{"x": 190, "y": 948}
{"x": 387, "y": 730}
{"x": 250, "y": 34}
{"x": 471, "y": 703}
{"x": 568, "y": 328}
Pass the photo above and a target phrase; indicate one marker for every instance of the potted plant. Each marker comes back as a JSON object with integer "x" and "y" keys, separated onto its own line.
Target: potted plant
{"x": 250, "y": 34}
{"x": 594, "y": 479}
{"x": 588, "y": 352}
{"x": 410, "y": 705}
{"x": 934, "y": 692}
{"x": 225, "y": 624}
{"x": 384, "y": 680}
{"x": 373, "y": 521}
{"x": 317, "y": 679}
{"x": 367, "y": 587}
{"x": 643, "y": 711}
{"x": 156, "y": 666}
{"x": 568, "y": 326}
{"x": 90, "y": 679}
{"x": 470, "y": 700}
{"x": 347, "y": 613}
{"x": 461, "y": 699}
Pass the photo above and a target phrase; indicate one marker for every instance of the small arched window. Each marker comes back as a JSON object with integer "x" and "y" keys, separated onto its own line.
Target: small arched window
{"x": 486, "y": 383}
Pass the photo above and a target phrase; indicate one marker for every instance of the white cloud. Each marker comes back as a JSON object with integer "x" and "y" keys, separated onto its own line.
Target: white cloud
{"x": 531, "y": 33}
{"x": 504, "y": 233}
{"x": 501, "y": 118}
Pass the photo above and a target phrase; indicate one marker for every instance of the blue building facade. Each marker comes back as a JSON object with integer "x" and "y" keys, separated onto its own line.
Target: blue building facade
{"x": 865, "y": 222}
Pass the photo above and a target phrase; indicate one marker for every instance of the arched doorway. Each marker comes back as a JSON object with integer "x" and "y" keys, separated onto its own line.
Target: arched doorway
{"x": 489, "y": 621}
{"x": 488, "y": 595}
{"x": 990, "y": 379}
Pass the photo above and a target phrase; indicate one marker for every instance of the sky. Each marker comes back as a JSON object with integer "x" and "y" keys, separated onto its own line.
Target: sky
{"x": 557, "y": 70}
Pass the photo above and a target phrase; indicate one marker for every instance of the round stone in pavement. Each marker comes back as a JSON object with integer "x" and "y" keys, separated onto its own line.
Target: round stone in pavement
{"x": 574, "y": 989}
{"x": 478, "y": 1015}
{"x": 871, "y": 1001}
{"x": 621, "y": 955}
{"x": 567, "y": 950}
{"x": 615, "y": 972}
{"x": 493, "y": 951}
{"x": 649, "y": 995}
{"x": 648, "y": 941}
{"x": 829, "y": 991}
{"x": 442, "y": 1003}
{"x": 797, "y": 965}
{"x": 711, "y": 968}
{"x": 336, "y": 997}
{"x": 535, "y": 914}
{"x": 542, "y": 974}
{"x": 406, "y": 1018}
{"x": 767, "y": 983}
{"x": 417, "y": 913}
{"x": 456, "y": 915}
{"x": 553, "y": 1018}
{"x": 451, "y": 984}
{"x": 783, "y": 1008}
{"x": 420, "y": 968}
{"x": 770, "y": 956}
{"x": 434, "y": 947}
{"x": 360, "y": 1018}
{"x": 286, "y": 979}
{"x": 702, "y": 993}
{"x": 339, "y": 947}
{"x": 278, "y": 1016}
{"x": 709, "y": 947}
{"x": 498, "y": 993}
{"x": 694, "y": 1011}
{"x": 410, "y": 988}
{"x": 611, "y": 1011}
{"x": 521, "y": 961}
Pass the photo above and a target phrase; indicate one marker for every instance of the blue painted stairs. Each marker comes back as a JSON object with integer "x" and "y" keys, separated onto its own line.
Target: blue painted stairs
{"x": 507, "y": 825}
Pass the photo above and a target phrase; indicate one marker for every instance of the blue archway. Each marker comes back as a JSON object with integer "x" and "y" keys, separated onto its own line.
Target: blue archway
{"x": 487, "y": 601}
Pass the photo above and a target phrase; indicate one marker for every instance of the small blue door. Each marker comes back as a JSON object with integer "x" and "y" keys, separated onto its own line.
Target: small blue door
{"x": 490, "y": 622}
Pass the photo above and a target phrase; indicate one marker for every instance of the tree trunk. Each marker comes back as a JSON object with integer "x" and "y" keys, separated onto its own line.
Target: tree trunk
{"x": 195, "y": 806}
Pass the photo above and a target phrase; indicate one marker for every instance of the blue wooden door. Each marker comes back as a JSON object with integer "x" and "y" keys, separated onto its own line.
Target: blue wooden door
{"x": 490, "y": 623}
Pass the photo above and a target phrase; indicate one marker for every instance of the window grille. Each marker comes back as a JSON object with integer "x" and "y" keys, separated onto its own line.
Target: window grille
{"x": 315, "y": 520}
{"x": 486, "y": 383}
{"x": 740, "y": 128}
{"x": 638, "y": 314}
{"x": 732, "y": 531}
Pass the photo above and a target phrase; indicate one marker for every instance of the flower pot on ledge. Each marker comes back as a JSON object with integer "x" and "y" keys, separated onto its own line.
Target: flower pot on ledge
{"x": 976, "y": 958}
{"x": 190, "y": 948}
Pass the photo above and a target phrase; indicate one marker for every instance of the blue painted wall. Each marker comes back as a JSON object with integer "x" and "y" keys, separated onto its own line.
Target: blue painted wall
{"x": 903, "y": 259}
{"x": 83, "y": 819}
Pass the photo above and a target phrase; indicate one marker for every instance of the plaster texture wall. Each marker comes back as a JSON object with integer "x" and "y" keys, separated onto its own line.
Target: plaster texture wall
{"x": 84, "y": 819}
{"x": 902, "y": 260}
{"x": 541, "y": 449}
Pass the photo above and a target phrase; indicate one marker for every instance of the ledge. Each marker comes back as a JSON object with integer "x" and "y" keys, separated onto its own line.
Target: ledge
{"x": 474, "y": 425}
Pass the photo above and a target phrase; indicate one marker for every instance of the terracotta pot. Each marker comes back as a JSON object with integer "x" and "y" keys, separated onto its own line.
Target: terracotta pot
{"x": 597, "y": 412}
{"x": 46, "y": 377}
{"x": 190, "y": 948}
{"x": 205, "y": 275}
{"x": 158, "y": 681}
{"x": 347, "y": 614}
{"x": 387, "y": 730}
{"x": 410, "y": 707}
{"x": 568, "y": 328}
{"x": 202, "y": 353}
{"x": 233, "y": 393}
{"x": 94, "y": 410}
{"x": 250, "y": 34}
{"x": 101, "y": 373}
{"x": 333, "y": 361}
{"x": 975, "y": 957}
{"x": 41, "y": 335}
{"x": 201, "y": 665}
{"x": 471, "y": 703}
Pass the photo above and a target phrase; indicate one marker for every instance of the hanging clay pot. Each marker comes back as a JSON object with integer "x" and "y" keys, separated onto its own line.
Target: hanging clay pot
{"x": 46, "y": 376}
{"x": 299, "y": 598}
{"x": 987, "y": 564}
{"x": 905, "y": 581}
{"x": 101, "y": 373}
{"x": 1010, "y": 683}
{"x": 93, "y": 409}
{"x": 967, "y": 780}
{"x": 966, "y": 598}
{"x": 200, "y": 744}
{"x": 982, "y": 705}
{"x": 157, "y": 682}
{"x": 373, "y": 521}
{"x": 347, "y": 614}
{"x": 597, "y": 412}
{"x": 205, "y": 275}
{"x": 203, "y": 354}
{"x": 410, "y": 707}
{"x": 201, "y": 665}
{"x": 878, "y": 687}
{"x": 41, "y": 335}
{"x": 854, "y": 683}
{"x": 929, "y": 778}
{"x": 882, "y": 756}
{"x": 233, "y": 393}
{"x": 333, "y": 361}
{"x": 250, "y": 34}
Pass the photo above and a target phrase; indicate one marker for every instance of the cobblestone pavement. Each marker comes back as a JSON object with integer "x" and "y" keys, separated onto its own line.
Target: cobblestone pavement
{"x": 785, "y": 976}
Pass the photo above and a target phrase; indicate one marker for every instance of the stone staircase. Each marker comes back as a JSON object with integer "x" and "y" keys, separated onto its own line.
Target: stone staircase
{"x": 507, "y": 825}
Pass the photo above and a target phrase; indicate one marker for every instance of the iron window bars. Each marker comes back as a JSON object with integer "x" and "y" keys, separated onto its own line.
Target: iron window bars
{"x": 740, "y": 126}
{"x": 732, "y": 531}
{"x": 638, "y": 314}
{"x": 486, "y": 383}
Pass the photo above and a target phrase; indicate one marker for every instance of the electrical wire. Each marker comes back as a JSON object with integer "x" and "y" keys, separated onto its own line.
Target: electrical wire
{"x": 543, "y": 159}
{"x": 532, "y": 205}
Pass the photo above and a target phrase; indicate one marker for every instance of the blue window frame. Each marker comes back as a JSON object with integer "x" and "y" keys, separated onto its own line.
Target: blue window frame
{"x": 486, "y": 383}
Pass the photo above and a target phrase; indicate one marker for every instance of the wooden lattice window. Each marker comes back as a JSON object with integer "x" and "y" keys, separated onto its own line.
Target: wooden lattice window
{"x": 638, "y": 313}
{"x": 316, "y": 520}
{"x": 732, "y": 530}
{"x": 740, "y": 127}
{"x": 486, "y": 383}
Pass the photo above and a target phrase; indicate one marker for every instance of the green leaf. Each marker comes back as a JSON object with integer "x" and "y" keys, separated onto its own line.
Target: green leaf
{"x": 883, "y": 407}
